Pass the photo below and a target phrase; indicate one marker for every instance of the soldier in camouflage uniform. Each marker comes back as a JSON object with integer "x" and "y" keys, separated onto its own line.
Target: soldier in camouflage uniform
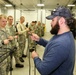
{"x": 35, "y": 22}
{"x": 39, "y": 29}
{"x": 43, "y": 29}
{"x": 22, "y": 37}
{"x": 12, "y": 32}
{"x": 32, "y": 29}
{"x": 4, "y": 43}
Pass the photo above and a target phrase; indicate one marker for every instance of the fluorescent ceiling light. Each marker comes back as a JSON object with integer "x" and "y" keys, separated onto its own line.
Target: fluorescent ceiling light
{"x": 8, "y": 5}
{"x": 40, "y": 4}
{"x": 71, "y": 5}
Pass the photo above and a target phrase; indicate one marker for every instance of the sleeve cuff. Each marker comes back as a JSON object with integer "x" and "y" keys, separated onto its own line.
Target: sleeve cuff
{"x": 36, "y": 58}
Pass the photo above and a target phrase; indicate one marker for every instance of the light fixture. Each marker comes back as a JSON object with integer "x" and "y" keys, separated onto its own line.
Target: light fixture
{"x": 8, "y": 5}
{"x": 40, "y": 4}
{"x": 71, "y": 5}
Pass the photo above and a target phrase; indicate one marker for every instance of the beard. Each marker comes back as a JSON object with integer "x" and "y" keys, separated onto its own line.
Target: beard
{"x": 55, "y": 29}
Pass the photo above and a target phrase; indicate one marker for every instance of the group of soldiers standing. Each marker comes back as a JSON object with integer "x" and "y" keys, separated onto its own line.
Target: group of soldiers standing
{"x": 14, "y": 37}
{"x": 37, "y": 28}
{"x": 9, "y": 39}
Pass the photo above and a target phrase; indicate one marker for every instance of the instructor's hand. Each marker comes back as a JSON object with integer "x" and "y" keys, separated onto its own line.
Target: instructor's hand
{"x": 34, "y": 54}
{"x": 35, "y": 37}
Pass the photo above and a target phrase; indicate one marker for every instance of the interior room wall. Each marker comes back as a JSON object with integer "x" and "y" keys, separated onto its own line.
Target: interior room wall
{"x": 30, "y": 16}
{"x": 3, "y": 10}
{"x": 74, "y": 12}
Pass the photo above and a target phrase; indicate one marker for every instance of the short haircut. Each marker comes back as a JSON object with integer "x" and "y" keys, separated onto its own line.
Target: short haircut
{"x": 3, "y": 16}
{"x": 8, "y": 17}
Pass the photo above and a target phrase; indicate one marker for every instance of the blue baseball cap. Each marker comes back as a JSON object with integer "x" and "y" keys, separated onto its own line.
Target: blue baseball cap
{"x": 60, "y": 11}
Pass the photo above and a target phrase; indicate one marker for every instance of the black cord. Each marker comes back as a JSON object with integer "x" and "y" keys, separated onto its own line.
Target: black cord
{"x": 10, "y": 52}
{"x": 34, "y": 65}
{"x": 29, "y": 56}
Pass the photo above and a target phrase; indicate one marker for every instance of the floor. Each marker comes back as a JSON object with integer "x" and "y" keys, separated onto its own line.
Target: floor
{"x": 29, "y": 68}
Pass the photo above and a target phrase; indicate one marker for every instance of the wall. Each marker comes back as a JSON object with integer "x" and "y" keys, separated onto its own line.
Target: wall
{"x": 30, "y": 16}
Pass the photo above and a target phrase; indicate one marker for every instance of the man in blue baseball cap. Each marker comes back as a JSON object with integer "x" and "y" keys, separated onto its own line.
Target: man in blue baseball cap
{"x": 60, "y": 11}
{"x": 59, "y": 53}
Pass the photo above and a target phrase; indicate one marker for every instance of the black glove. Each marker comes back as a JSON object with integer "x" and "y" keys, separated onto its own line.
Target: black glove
{"x": 31, "y": 50}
